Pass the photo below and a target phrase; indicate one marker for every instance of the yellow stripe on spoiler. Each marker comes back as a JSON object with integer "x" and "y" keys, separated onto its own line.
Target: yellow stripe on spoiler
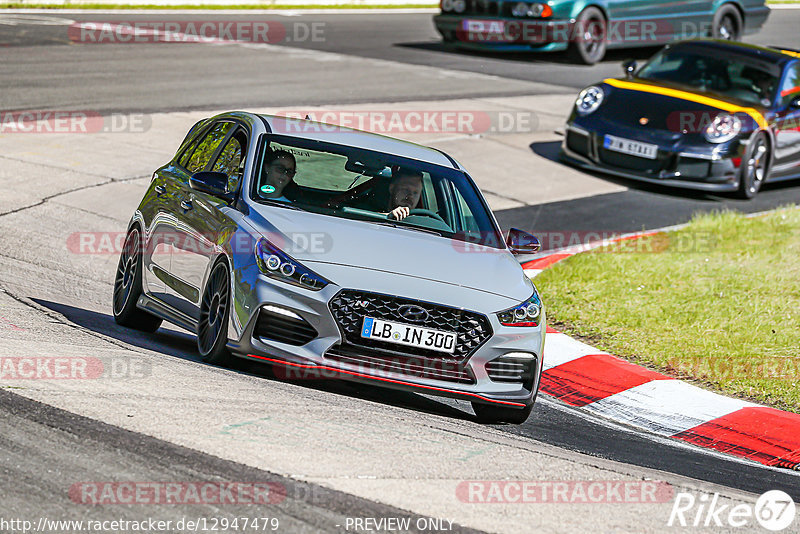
{"x": 691, "y": 97}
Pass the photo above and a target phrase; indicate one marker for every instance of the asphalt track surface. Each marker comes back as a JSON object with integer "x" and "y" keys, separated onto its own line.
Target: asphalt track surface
{"x": 42, "y": 70}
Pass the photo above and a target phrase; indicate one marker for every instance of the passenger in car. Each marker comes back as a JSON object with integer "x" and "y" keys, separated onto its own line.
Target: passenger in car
{"x": 277, "y": 172}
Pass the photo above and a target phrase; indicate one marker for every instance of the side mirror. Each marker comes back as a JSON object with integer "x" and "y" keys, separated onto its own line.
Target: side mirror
{"x": 629, "y": 67}
{"x": 213, "y": 183}
{"x": 520, "y": 242}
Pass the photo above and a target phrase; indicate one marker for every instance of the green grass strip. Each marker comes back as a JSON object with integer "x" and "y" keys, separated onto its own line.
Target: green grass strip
{"x": 717, "y": 302}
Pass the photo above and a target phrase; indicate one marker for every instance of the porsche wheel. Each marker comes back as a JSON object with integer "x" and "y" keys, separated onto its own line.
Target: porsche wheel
{"x": 214, "y": 312}
{"x": 755, "y": 167}
{"x": 588, "y": 44}
{"x": 128, "y": 287}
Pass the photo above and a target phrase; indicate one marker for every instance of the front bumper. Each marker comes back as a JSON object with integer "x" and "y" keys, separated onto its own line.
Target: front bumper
{"x": 326, "y": 352}
{"x": 677, "y": 167}
{"x": 503, "y": 33}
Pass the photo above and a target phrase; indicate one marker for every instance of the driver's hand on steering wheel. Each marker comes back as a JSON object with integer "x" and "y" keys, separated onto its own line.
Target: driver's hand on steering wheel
{"x": 399, "y": 213}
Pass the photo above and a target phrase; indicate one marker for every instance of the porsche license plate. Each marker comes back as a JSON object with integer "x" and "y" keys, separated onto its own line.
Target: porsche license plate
{"x": 628, "y": 146}
{"x": 409, "y": 335}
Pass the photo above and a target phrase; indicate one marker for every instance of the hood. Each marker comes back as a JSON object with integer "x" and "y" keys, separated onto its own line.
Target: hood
{"x": 327, "y": 240}
{"x": 670, "y": 111}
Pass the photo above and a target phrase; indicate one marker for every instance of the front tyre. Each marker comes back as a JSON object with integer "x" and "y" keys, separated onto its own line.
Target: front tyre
{"x": 493, "y": 414}
{"x": 727, "y": 23}
{"x": 588, "y": 44}
{"x": 128, "y": 287}
{"x": 755, "y": 167}
{"x": 214, "y": 312}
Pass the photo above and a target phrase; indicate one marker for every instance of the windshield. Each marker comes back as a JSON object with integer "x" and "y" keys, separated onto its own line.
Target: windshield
{"x": 715, "y": 71}
{"x": 373, "y": 187}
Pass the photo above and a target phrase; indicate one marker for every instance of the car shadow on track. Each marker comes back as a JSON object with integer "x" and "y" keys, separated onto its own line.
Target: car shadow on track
{"x": 176, "y": 343}
{"x": 611, "y": 57}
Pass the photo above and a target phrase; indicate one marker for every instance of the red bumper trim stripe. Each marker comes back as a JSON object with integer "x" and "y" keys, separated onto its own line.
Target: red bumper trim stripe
{"x": 381, "y": 379}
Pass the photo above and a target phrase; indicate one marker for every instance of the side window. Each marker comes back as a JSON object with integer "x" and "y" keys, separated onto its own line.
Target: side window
{"x": 231, "y": 160}
{"x": 790, "y": 89}
{"x": 429, "y": 193}
{"x": 202, "y": 154}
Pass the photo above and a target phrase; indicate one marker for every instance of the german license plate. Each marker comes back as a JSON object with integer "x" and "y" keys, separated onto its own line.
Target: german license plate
{"x": 409, "y": 335}
{"x": 489, "y": 27}
{"x": 628, "y": 146}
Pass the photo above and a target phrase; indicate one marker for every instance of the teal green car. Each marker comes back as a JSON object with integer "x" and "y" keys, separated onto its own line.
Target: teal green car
{"x": 587, "y": 28}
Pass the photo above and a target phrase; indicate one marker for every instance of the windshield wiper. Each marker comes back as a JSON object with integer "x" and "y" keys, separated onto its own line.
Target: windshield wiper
{"x": 410, "y": 227}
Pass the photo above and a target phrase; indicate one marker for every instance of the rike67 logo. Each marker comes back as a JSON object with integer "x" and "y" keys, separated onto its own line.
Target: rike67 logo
{"x": 774, "y": 510}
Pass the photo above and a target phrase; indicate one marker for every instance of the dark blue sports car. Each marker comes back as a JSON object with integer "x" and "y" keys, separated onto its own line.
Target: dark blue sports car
{"x": 705, "y": 114}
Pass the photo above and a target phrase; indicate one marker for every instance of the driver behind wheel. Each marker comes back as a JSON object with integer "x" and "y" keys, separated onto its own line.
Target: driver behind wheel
{"x": 405, "y": 192}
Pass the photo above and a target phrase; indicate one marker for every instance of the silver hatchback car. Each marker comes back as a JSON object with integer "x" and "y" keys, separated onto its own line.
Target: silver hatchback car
{"x": 331, "y": 252}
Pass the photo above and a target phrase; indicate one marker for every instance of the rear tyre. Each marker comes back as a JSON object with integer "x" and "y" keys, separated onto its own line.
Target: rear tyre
{"x": 755, "y": 167}
{"x": 492, "y": 414}
{"x": 727, "y": 23}
{"x": 128, "y": 287}
{"x": 588, "y": 44}
{"x": 214, "y": 312}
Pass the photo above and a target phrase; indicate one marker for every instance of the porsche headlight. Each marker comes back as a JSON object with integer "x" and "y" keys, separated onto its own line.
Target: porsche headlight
{"x": 447, "y": 5}
{"x": 589, "y": 100}
{"x": 276, "y": 264}
{"x": 459, "y": 6}
{"x": 527, "y": 313}
{"x": 723, "y": 128}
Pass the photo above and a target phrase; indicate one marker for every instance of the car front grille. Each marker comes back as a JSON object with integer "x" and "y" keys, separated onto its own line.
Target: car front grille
{"x": 482, "y": 7}
{"x": 634, "y": 163}
{"x": 350, "y": 307}
{"x": 505, "y": 369}
{"x": 578, "y": 142}
{"x": 378, "y": 362}
{"x": 284, "y": 328}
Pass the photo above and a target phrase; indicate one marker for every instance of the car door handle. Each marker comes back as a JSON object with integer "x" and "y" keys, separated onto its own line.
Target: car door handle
{"x": 160, "y": 190}
{"x": 186, "y": 204}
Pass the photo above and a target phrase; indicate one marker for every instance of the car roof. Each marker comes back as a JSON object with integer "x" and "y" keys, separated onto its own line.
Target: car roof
{"x": 774, "y": 55}
{"x": 318, "y": 131}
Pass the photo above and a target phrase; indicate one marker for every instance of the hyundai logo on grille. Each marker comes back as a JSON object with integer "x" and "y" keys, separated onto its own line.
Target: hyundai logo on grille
{"x": 413, "y": 313}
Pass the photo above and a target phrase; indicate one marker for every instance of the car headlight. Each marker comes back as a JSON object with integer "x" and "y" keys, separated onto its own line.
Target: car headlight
{"x": 523, "y": 9}
{"x": 459, "y": 6}
{"x": 276, "y": 264}
{"x": 723, "y": 128}
{"x": 447, "y": 5}
{"x": 527, "y": 313}
{"x": 589, "y": 100}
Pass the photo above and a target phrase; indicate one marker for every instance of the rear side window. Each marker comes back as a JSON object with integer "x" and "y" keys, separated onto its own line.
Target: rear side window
{"x": 207, "y": 147}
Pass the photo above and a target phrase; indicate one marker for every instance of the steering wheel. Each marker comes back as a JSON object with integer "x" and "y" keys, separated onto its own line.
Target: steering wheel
{"x": 426, "y": 213}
